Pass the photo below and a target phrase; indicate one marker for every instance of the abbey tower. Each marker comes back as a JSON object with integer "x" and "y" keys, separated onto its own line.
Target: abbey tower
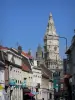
{"x": 51, "y": 46}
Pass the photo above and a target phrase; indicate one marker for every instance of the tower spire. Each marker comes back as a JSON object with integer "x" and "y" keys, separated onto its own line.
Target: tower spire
{"x": 51, "y": 27}
{"x": 50, "y": 14}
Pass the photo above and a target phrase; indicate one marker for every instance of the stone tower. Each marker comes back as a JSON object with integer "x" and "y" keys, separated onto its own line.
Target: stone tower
{"x": 39, "y": 55}
{"x": 51, "y": 46}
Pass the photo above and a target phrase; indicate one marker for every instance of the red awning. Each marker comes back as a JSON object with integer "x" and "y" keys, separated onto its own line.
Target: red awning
{"x": 67, "y": 76}
{"x": 30, "y": 94}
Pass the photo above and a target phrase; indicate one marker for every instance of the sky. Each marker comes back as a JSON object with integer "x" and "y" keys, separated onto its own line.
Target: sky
{"x": 25, "y": 21}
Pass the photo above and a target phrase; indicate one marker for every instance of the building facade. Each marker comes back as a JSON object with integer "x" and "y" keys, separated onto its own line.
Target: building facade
{"x": 2, "y": 68}
{"x": 47, "y": 85}
{"x": 36, "y": 79}
{"x": 15, "y": 75}
{"x": 70, "y": 70}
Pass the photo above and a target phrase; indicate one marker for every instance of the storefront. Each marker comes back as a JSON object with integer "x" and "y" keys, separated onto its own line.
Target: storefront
{"x": 27, "y": 94}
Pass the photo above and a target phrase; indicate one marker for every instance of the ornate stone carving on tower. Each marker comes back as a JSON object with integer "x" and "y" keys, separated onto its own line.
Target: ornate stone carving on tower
{"x": 51, "y": 46}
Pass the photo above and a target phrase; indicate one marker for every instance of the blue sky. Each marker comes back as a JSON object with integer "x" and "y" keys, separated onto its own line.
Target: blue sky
{"x": 25, "y": 21}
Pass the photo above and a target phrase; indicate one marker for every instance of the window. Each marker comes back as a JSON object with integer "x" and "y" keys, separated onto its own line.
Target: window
{"x": 50, "y": 95}
{"x": 38, "y": 63}
{"x": 25, "y": 78}
{"x": 38, "y": 85}
{"x": 49, "y": 46}
{"x": 20, "y": 82}
{"x": 16, "y": 81}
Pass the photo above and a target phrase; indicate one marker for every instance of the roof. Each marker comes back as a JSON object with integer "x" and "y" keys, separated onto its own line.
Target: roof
{"x": 45, "y": 71}
{"x": 26, "y": 62}
{"x": 25, "y": 68}
{"x": 23, "y": 53}
{"x": 5, "y": 48}
{"x": 26, "y": 54}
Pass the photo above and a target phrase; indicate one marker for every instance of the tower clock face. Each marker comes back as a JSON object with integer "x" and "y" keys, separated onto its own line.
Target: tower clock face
{"x": 55, "y": 48}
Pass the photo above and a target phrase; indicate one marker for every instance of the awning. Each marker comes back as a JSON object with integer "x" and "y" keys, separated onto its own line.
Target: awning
{"x": 30, "y": 94}
{"x": 67, "y": 76}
